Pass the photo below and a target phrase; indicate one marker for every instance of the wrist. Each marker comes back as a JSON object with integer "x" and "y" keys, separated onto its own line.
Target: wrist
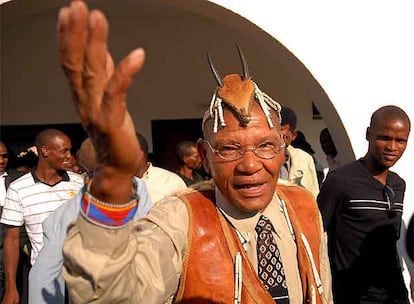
{"x": 108, "y": 214}
{"x": 109, "y": 185}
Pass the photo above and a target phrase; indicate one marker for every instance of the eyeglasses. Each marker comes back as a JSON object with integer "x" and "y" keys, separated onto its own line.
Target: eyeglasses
{"x": 389, "y": 194}
{"x": 4, "y": 155}
{"x": 231, "y": 152}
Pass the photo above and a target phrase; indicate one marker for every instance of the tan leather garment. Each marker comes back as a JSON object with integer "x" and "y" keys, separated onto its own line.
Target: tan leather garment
{"x": 208, "y": 272}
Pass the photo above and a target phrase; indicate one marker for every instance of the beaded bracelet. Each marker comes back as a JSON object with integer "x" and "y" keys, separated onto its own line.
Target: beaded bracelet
{"x": 107, "y": 214}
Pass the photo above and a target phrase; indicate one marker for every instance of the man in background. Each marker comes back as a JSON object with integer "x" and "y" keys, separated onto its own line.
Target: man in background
{"x": 160, "y": 182}
{"x": 299, "y": 167}
{"x": 32, "y": 197}
{"x": 329, "y": 148}
{"x": 6, "y": 177}
{"x": 47, "y": 285}
{"x": 361, "y": 204}
{"x": 189, "y": 162}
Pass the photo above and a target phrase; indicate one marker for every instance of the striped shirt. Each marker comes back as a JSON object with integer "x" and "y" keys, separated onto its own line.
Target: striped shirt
{"x": 30, "y": 201}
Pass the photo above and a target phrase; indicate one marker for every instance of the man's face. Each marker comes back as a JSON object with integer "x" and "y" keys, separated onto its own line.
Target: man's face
{"x": 288, "y": 134}
{"x": 4, "y": 157}
{"x": 58, "y": 152}
{"x": 248, "y": 183}
{"x": 193, "y": 159}
{"x": 327, "y": 144}
{"x": 388, "y": 140}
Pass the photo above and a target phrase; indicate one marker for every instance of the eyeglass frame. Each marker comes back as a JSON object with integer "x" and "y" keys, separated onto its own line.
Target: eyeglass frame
{"x": 5, "y": 155}
{"x": 243, "y": 149}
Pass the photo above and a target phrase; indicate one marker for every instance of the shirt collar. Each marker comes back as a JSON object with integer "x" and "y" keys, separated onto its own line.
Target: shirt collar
{"x": 145, "y": 176}
{"x": 240, "y": 220}
{"x": 65, "y": 177}
{"x": 4, "y": 174}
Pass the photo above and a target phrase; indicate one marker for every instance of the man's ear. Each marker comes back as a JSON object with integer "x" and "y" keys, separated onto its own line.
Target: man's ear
{"x": 367, "y": 133}
{"x": 45, "y": 151}
{"x": 201, "y": 148}
{"x": 294, "y": 134}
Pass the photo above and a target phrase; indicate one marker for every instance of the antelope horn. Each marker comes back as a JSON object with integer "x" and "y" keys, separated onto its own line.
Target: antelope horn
{"x": 214, "y": 71}
{"x": 244, "y": 63}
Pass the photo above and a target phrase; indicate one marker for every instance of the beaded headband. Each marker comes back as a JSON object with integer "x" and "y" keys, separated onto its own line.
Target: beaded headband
{"x": 236, "y": 93}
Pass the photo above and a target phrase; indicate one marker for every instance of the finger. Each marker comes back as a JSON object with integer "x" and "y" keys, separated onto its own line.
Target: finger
{"x": 109, "y": 66}
{"x": 74, "y": 43}
{"x": 121, "y": 79}
{"x": 62, "y": 27}
{"x": 96, "y": 51}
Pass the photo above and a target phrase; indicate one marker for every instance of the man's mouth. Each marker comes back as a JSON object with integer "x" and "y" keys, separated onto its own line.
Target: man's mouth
{"x": 248, "y": 186}
{"x": 390, "y": 157}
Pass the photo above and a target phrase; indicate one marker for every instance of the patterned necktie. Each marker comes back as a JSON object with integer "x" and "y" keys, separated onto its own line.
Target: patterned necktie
{"x": 270, "y": 267}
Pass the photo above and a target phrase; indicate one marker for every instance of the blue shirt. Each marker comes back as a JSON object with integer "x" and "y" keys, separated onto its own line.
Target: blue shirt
{"x": 46, "y": 283}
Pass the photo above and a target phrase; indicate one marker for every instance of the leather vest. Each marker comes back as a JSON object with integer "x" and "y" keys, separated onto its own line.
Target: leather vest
{"x": 208, "y": 271}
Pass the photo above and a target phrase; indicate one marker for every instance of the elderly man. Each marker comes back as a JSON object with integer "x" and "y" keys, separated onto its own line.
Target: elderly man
{"x": 240, "y": 241}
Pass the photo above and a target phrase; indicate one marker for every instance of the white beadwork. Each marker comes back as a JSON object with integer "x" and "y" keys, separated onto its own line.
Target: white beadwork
{"x": 265, "y": 101}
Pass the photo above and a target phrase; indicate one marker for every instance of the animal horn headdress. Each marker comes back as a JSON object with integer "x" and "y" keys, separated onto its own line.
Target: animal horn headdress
{"x": 237, "y": 92}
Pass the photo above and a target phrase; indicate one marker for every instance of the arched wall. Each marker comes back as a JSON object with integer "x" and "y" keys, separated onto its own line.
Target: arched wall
{"x": 347, "y": 58}
{"x": 176, "y": 82}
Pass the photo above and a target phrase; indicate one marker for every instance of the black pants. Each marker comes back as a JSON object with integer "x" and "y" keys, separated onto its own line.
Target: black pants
{"x": 351, "y": 287}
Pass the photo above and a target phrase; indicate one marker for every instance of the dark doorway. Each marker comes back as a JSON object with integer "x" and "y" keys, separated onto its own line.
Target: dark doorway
{"x": 166, "y": 134}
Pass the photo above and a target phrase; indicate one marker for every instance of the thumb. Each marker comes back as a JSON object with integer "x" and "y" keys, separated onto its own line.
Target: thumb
{"x": 126, "y": 69}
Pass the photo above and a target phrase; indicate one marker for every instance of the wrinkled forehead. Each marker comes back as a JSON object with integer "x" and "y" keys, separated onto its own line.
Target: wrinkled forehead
{"x": 238, "y": 96}
{"x": 233, "y": 122}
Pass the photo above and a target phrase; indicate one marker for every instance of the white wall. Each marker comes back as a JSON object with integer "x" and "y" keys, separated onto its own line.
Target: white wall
{"x": 361, "y": 52}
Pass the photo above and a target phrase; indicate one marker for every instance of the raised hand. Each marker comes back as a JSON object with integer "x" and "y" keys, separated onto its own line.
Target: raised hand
{"x": 99, "y": 95}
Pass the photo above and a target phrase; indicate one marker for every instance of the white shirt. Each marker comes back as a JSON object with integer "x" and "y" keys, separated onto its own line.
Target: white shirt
{"x": 161, "y": 183}
{"x": 2, "y": 188}
{"x": 30, "y": 201}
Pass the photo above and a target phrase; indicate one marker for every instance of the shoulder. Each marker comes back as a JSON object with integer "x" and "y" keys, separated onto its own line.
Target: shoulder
{"x": 60, "y": 219}
{"x": 160, "y": 174}
{"x": 74, "y": 177}
{"x": 298, "y": 194}
{"x": 298, "y": 152}
{"x": 303, "y": 203}
{"x": 396, "y": 182}
{"x": 166, "y": 212}
{"x": 395, "y": 178}
{"x": 352, "y": 169}
{"x": 14, "y": 174}
{"x": 179, "y": 200}
{"x": 298, "y": 155}
{"x": 23, "y": 181}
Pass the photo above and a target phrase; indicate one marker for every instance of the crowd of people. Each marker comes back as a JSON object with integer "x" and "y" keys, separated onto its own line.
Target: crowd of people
{"x": 246, "y": 218}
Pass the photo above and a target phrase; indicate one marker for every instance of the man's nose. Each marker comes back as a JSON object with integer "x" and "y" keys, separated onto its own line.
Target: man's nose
{"x": 249, "y": 163}
{"x": 391, "y": 145}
